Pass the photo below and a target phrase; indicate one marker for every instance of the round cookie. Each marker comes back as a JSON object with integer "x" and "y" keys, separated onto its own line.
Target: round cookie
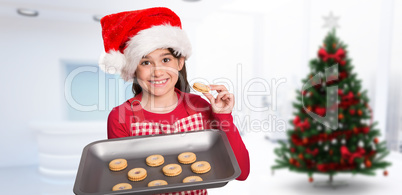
{"x": 118, "y": 164}
{"x": 155, "y": 160}
{"x": 187, "y": 157}
{"x": 137, "y": 174}
{"x": 122, "y": 186}
{"x": 201, "y": 87}
{"x": 200, "y": 167}
{"x": 172, "y": 170}
{"x": 192, "y": 179}
{"x": 157, "y": 183}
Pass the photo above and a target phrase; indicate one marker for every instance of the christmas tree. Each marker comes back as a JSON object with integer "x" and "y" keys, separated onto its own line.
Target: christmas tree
{"x": 332, "y": 131}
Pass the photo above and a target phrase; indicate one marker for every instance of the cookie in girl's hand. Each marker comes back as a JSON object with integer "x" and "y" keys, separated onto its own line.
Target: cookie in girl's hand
{"x": 201, "y": 87}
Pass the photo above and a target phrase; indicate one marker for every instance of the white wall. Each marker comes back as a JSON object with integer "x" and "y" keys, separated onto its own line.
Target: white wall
{"x": 32, "y": 89}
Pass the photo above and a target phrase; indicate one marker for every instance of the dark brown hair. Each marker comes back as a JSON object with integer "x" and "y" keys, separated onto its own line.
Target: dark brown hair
{"x": 182, "y": 84}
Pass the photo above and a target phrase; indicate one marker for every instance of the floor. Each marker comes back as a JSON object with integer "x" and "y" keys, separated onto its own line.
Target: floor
{"x": 27, "y": 180}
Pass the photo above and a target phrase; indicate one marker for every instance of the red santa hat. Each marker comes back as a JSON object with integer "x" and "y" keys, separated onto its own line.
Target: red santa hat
{"x": 130, "y": 35}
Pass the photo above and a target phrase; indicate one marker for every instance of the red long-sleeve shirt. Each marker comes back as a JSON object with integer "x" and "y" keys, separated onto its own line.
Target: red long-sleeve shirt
{"x": 121, "y": 117}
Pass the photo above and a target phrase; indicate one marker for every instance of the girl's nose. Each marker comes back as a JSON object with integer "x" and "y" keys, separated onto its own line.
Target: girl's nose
{"x": 158, "y": 71}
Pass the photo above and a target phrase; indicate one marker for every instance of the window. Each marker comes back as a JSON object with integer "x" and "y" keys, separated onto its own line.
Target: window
{"x": 90, "y": 94}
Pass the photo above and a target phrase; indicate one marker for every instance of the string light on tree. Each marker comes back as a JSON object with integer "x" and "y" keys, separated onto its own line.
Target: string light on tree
{"x": 343, "y": 141}
{"x": 361, "y": 144}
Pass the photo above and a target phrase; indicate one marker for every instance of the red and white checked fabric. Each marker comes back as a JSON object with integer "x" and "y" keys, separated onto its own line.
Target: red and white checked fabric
{"x": 190, "y": 123}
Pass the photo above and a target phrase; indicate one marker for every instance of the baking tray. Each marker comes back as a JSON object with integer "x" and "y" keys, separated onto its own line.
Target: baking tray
{"x": 94, "y": 177}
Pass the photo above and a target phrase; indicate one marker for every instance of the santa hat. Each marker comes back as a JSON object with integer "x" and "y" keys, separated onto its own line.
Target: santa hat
{"x": 128, "y": 36}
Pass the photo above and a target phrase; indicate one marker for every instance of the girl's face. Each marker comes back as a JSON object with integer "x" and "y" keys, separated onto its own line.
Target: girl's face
{"x": 158, "y": 72}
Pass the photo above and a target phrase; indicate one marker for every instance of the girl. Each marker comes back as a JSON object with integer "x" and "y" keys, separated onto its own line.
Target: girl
{"x": 149, "y": 48}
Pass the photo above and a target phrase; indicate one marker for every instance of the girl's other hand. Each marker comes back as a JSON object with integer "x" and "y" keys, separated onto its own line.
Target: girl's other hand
{"x": 224, "y": 102}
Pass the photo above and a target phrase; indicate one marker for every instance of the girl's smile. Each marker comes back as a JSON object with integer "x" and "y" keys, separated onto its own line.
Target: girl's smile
{"x": 159, "y": 83}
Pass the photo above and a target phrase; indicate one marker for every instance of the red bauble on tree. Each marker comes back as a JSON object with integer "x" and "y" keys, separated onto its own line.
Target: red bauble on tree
{"x": 320, "y": 111}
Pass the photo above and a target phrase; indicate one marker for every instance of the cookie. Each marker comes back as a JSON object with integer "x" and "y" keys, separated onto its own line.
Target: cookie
{"x": 201, "y": 167}
{"x": 118, "y": 164}
{"x": 187, "y": 157}
{"x": 122, "y": 186}
{"x": 157, "y": 183}
{"x": 137, "y": 174}
{"x": 172, "y": 170}
{"x": 201, "y": 87}
{"x": 155, "y": 160}
{"x": 192, "y": 179}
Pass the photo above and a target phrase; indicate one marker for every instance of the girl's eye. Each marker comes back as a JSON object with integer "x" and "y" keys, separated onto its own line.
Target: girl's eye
{"x": 166, "y": 60}
{"x": 145, "y": 63}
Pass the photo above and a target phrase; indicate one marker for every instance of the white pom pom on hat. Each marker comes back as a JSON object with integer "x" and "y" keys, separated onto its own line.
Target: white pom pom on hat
{"x": 112, "y": 62}
{"x": 128, "y": 36}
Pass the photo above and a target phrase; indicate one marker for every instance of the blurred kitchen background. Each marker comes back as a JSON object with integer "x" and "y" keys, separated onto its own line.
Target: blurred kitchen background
{"x": 55, "y": 100}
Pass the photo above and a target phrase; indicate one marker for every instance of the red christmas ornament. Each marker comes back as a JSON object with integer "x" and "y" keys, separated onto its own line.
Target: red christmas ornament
{"x": 376, "y": 140}
{"x": 305, "y": 140}
{"x": 352, "y": 111}
{"x": 301, "y": 157}
{"x": 297, "y": 163}
{"x": 349, "y": 96}
{"x": 291, "y": 161}
{"x": 321, "y": 167}
{"x": 359, "y": 112}
{"x": 310, "y": 179}
{"x": 312, "y": 152}
{"x": 355, "y": 130}
{"x": 340, "y": 92}
{"x": 292, "y": 150}
{"x": 320, "y": 111}
{"x": 385, "y": 173}
{"x": 334, "y": 45}
{"x": 368, "y": 163}
{"x": 296, "y": 120}
{"x": 343, "y": 75}
{"x": 340, "y": 116}
{"x": 365, "y": 130}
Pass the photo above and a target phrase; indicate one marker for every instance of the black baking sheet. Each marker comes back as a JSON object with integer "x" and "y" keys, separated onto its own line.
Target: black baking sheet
{"x": 94, "y": 176}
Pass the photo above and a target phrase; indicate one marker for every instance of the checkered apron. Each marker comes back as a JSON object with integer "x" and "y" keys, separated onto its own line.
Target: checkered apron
{"x": 194, "y": 122}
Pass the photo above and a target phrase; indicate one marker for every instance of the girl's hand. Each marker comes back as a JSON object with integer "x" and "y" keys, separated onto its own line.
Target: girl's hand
{"x": 224, "y": 102}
